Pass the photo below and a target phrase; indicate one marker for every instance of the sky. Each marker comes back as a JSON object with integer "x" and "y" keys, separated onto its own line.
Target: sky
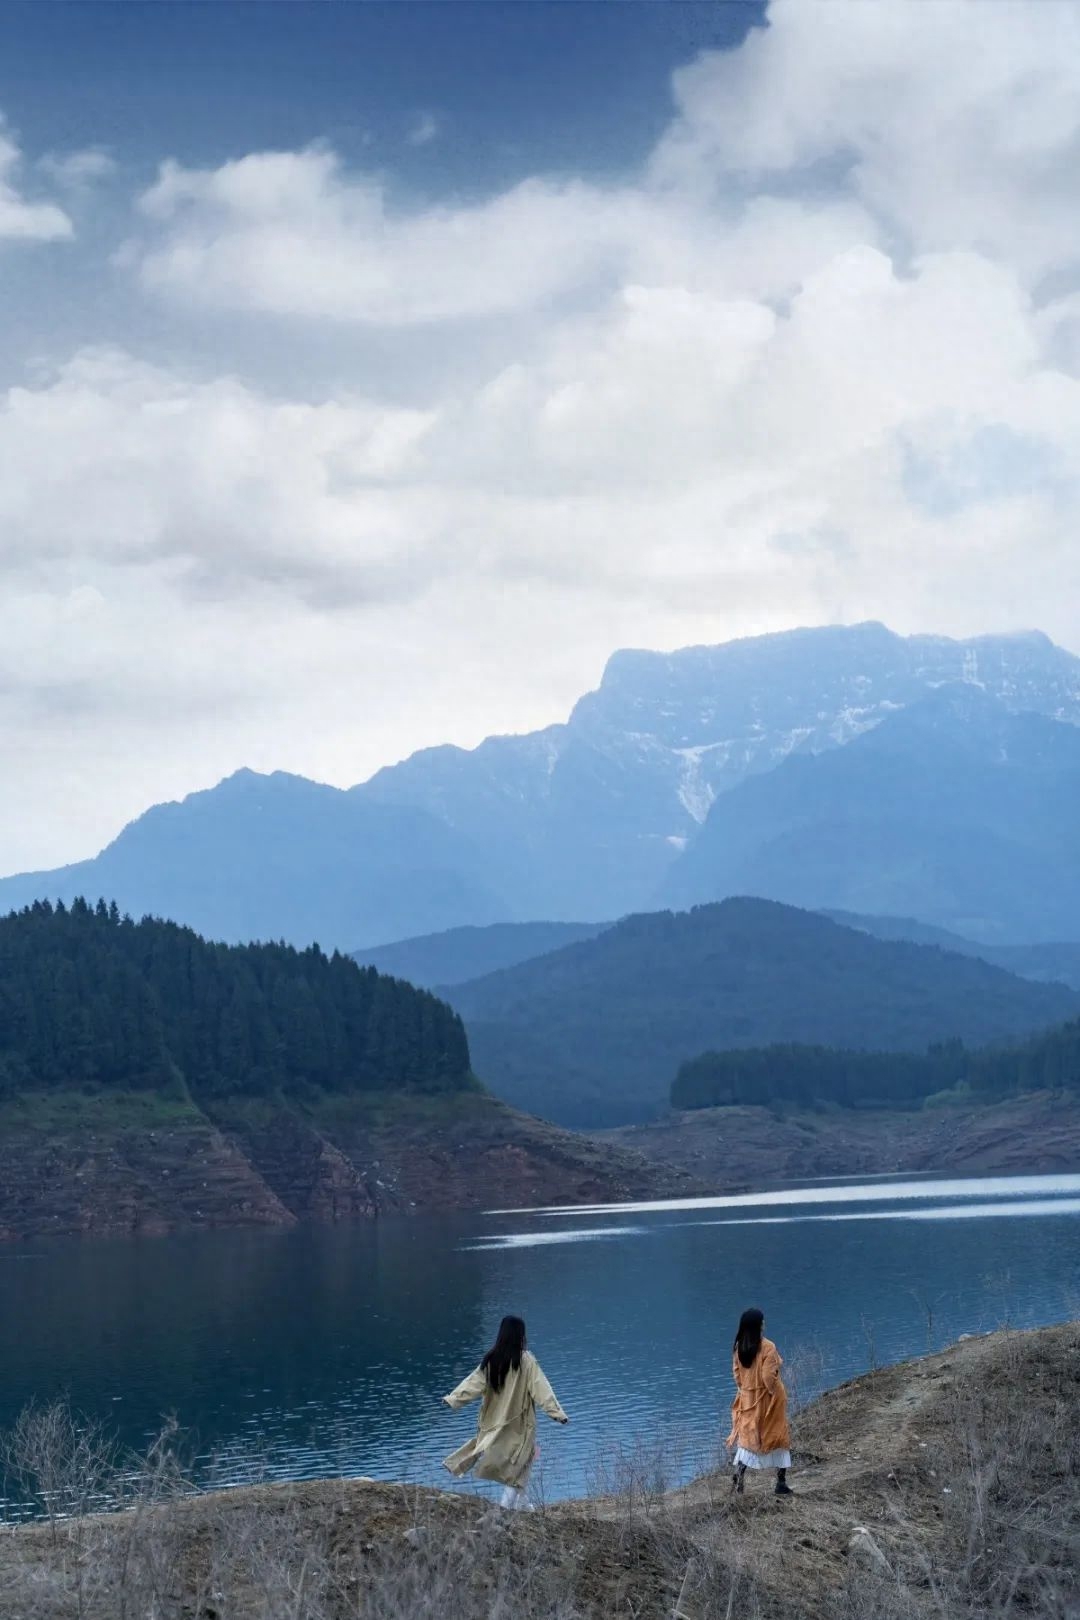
{"x": 368, "y": 374}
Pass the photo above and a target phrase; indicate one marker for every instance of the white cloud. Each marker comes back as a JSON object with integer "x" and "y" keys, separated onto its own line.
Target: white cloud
{"x": 958, "y": 123}
{"x": 963, "y": 132}
{"x": 117, "y": 463}
{"x": 805, "y": 366}
{"x": 289, "y": 232}
{"x": 22, "y": 220}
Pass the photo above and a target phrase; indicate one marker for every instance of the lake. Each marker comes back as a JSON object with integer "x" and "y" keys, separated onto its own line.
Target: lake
{"x": 324, "y": 1351}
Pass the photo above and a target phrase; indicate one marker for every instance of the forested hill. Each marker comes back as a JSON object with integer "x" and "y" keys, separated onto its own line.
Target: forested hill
{"x": 807, "y": 1076}
{"x": 91, "y": 999}
{"x": 593, "y": 1033}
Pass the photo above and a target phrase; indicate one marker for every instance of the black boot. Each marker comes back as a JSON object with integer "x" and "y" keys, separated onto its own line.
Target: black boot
{"x": 782, "y": 1486}
{"x": 738, "y": 1478}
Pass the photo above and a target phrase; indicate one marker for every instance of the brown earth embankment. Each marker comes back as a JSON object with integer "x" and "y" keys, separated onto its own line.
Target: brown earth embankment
{"x": 734, "y": 1148}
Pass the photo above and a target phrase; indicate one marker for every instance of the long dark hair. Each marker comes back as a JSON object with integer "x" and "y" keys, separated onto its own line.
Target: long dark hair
{"x": 748, "y": 1339}
{"x": 506, "y": 1352}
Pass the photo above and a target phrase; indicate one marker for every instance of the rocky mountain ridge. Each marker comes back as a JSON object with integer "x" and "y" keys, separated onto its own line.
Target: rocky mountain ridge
{"x": 955, "y": 810}
{"x": 580, "y": 821}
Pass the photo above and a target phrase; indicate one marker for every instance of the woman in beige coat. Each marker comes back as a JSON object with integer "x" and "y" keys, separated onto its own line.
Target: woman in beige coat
{"x": 510, "y": 1386}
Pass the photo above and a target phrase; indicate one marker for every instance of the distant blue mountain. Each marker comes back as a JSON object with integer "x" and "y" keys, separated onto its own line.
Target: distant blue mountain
{"x": 587, "y": 820}
{"x": 1052, "y": 962}
{"x": 458, "y": 954}
{"x": 954, "y": 810}
{"x": 279, "y": 857}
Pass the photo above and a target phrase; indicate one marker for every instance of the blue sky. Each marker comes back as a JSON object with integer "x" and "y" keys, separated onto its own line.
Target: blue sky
{"x": 518, "y": 87}
{"x": 441, "y": 97}
{"x": 370, "y": 373}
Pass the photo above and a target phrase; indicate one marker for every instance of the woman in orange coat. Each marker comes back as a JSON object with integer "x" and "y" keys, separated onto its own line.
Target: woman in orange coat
{"x": 759, "y": 1425}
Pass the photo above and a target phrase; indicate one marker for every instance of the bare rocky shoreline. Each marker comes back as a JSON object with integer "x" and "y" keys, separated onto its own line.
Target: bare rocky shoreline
{"x": 724, "y": 1147}
{"x": 134, "y": 1166}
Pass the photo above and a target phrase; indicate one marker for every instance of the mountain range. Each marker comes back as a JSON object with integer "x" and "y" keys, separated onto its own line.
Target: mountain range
{"x": 445, "y": 960}
{"x": 841, "y": 767}
{"x": 586, "y": 819}
{"x": 151, "y": 1081}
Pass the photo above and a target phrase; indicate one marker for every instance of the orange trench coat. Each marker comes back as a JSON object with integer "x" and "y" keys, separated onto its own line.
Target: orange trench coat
{"x": 759, "y": 1411}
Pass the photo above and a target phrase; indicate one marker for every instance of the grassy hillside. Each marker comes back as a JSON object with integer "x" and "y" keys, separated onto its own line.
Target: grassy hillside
{"x": 592, "y": 1034}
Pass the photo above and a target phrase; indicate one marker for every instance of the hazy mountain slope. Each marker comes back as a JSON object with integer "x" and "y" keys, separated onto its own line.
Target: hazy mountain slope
{"x": 584, "y": 819}
{"x": 458, "y": 954}
{"x": 593, "y": 1034}
{"x": 954, "y": 811}
{"x": 279, "y": 857}
{"x": 1054, "y": 963}
{"x": 581, "y": 820}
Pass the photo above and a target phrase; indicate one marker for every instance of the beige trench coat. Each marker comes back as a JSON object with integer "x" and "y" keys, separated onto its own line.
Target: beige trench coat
{"x": 505, "y": 1439}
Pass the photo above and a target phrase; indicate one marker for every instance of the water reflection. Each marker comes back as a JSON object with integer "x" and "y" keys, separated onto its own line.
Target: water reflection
{"x": 869, "y": 1190}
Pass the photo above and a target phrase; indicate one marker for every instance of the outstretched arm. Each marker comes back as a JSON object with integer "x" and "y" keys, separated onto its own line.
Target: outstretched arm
{"x": 544, "y": 1396}
{"x": 470, "y": 1389}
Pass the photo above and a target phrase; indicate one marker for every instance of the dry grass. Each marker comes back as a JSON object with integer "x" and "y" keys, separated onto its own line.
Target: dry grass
{"x": 948, "y": 1489}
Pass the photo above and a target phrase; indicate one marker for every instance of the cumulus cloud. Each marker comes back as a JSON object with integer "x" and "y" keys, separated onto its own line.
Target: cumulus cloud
{"x": 22, "y": 220}
{"x": 113, "y": 461}
{"x": 958, "y": 125}
{"x": 292, "y": 233}
{"x": 961, "y": 133}
{"x": 819, "y": 360}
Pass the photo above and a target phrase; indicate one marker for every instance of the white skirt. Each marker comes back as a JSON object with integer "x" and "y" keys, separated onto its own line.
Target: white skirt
{"x": 763, "y": 1459}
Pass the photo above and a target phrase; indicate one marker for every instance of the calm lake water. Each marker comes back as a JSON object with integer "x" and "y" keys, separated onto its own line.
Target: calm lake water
{"x": 323, "y": 1352}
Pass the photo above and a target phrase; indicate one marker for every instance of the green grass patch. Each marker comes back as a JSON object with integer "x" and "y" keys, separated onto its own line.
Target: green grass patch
{"x": 101, "y": 1112}
{"x": 384, "y": 1109}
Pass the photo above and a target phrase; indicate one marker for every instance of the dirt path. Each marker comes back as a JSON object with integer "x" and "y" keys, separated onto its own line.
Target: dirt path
{"x": 883, "y": 1468}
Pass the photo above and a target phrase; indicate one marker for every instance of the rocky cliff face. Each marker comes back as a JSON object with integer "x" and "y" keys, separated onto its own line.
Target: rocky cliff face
{"x": 108, "y": 1180}
{"x": 110, "y": 1167}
